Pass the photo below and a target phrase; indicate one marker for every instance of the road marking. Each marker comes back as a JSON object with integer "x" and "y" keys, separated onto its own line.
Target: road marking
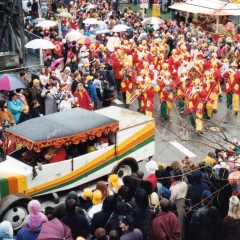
{"x": 117, "y": 101}
{"x": 184, "y": 150}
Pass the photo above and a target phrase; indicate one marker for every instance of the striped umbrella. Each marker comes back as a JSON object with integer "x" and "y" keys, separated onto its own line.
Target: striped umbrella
{"x": 11, "y": 82}
{"x": 86, "y": 40}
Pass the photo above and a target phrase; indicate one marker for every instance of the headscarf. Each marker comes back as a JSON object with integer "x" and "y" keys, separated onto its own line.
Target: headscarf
{"x": 35, "y": 218}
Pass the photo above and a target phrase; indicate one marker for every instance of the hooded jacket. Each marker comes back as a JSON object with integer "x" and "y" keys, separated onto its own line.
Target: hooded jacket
{"x": 195, "y": 190}
{"x": 205, "y": 223}
{"x": 6, "y": 231}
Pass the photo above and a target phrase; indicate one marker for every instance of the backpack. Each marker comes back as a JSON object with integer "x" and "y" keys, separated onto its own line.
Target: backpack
{"x": 146, "y": 224}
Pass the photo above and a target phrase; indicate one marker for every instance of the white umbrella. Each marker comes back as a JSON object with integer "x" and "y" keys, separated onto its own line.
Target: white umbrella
{"x": 120, "y": 28}
{"x": 65, "y": 14}
{"x": 38, "y": 20}
{"x": 90, "y": 21}
{"x": 152, "y": 21}
{"x": 40, "y": 44}
{"x": 90, "y": 6}
{"x": 104, "y": 31}
{"x": 73, "y": 36}
{"x": 47, "y": 24}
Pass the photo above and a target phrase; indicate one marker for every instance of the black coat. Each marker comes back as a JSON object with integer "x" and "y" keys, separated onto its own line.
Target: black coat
{"x": 74, "y": 85}
{"x": 221, "y": 198}
{"x": 107, "y": 97}
{"x": 35, "y": 7}
{"x": 73, "y": 66}
{"x": 205, "y": 224}
{"x": 111, "y": 78}
{"x": 34, "y": 112}
{"x": 99, "y": 221}
{"x": 230, "y": 228}
{"x": 78, "y": 224}
{"x": 24, "y": 117}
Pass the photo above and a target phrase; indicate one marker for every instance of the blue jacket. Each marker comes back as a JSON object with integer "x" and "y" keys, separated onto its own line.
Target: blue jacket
{"x": 93, "y": 90}
{"x": 16, "y": 108}
{"x": 24, "y": 234}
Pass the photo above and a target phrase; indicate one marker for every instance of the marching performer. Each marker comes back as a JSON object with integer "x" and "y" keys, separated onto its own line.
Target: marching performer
{"x": 140, "y": 89}
{"x": 126, "y": 89}
{"x": 182, "y": 85}
{"x": 217, "y": 77}
{"x": 197, "y": 97}
{"x": 166, "y": 96}
{"x": 148, "y": 98}
{"x": 115, "y": 61}
{"x": 232, "y": 88}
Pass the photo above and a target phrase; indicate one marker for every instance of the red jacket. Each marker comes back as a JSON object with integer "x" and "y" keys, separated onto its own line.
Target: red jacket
{"x": 114, "y": 61}
{"x": 166, "y": 226}
{"x": 58, "y": 155}
{"x": 83, "y": 100}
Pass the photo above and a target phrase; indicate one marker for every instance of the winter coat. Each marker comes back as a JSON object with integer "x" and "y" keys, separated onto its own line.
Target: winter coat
{"x": 50, "y": 105}
{"x": 111, "y": 78}
{"x": 36, "y": 95}
{"x": 60, "y": 210}
{"x": 15, "y": 108}
{"x": 165, "y": 226}
{"x": 221, "y": 199}
{"x": 107, "y": 97}
{"x": 78, "y": 223}
{"x": 6, "y": 231}
{"x": 195, "y": 190}
{"x": 99, "y": 221}
{"x": 34, "y": 112}
{"x": 178, "y": 194}
{"x": 230, "y": 228}
{"x": 5, "y": 115}
{"x": 24, "y": 117}
{"x": 83, "y": 99}
{"x": 205, "y": 223}
{"x": 73, "y": 66}
{"x": 93, "y": 91}
{"x": 136, "y": 234}
{"x": 24, "y": 234}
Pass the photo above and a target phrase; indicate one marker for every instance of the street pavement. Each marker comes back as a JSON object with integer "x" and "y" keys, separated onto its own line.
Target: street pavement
{"x": 180, "y": 130}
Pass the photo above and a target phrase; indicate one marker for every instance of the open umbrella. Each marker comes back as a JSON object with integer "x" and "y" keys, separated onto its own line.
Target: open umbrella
{"x": 86, "y": 40}
{"x": 152, "y": 21}
{"x": 73, "y": 36}
{"x": 90, "y": 21}
{"x": 40, "y": 44}
{"x": 65, "y": 14}
{"x": 91, "y": 6}
{"x": 54, "y": 230}
{"x": 120, "y": 28}
{"x": 11, "y": 82}
{"x": 53, "y": 64}
{"x": 46, "y": 24}
{"x": 38, "y": 20}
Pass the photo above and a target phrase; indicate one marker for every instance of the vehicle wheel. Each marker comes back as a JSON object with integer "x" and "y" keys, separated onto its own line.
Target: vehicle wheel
{"x": 16, "y": 215}
{"x": 125, "y": 168}
{"x": 13, "y": 208}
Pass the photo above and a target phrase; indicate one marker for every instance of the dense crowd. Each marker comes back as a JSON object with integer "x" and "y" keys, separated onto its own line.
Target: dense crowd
{"x": 181, "y": 201}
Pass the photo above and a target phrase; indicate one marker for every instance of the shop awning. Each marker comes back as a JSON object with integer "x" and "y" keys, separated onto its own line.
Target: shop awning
{"x": 62, "y": 128}
{"x": 208, "y": 7}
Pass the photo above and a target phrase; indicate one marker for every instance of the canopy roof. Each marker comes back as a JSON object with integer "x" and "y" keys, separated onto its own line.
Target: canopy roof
{"x": 208, "y": 7}
{"x": 62, "y": 128}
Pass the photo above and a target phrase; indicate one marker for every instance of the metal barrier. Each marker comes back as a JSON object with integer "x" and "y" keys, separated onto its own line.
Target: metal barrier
{"x": 32, "y": 55}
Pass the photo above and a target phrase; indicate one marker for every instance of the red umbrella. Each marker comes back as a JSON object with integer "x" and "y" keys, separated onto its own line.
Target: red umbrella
{"x": 53, "y": 65}
{"x": 55, "y": 230}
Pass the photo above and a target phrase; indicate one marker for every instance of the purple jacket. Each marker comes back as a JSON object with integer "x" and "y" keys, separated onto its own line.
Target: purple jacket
{"x": 136, "y": 234}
